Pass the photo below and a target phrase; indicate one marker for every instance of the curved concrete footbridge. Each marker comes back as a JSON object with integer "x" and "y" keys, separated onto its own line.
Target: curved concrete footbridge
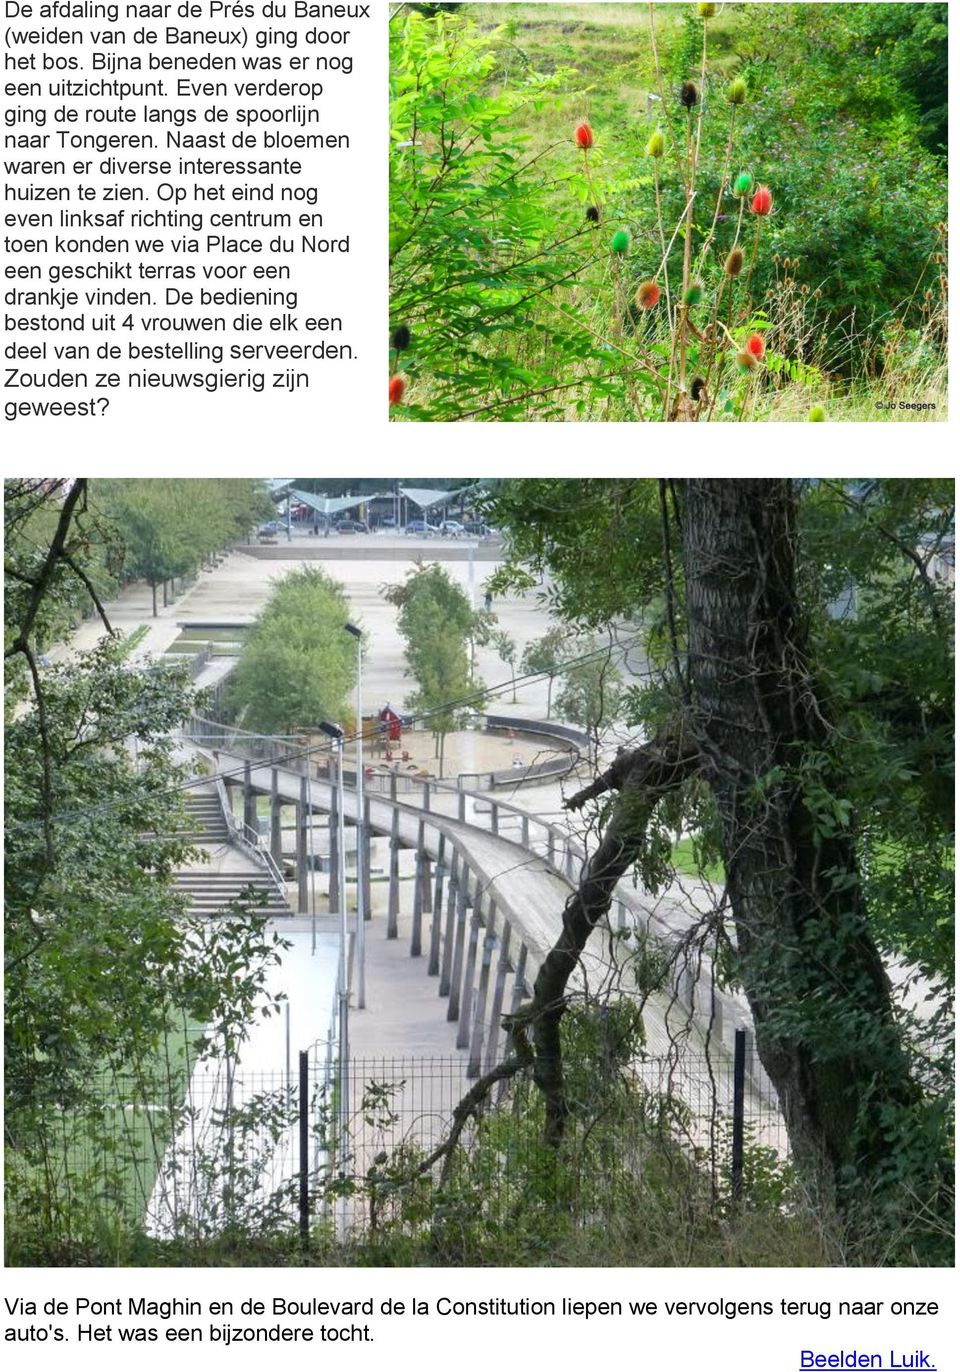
{"x": 473, "y": 885}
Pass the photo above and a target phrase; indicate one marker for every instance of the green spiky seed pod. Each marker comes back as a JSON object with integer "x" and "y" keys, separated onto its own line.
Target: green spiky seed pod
{"x": 743, "y": 184}
{"x": 694, "y": 293}
{"x": 737, "y": 91}
{"x": 734, "y": 263}
{"x": 689, "y": 95}
{"x": 706, "y": 11}
{"x": 746, "y": 362}
{"x": 657, "y": 144}
{"x": 817, "y": 415}
{"x": 620, "y": 242}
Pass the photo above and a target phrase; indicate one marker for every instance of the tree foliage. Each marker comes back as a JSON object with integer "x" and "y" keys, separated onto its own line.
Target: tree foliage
{"x": 298, "y": 665}
{"x": 168, "y": 528}
{"x": 101, "y": 961}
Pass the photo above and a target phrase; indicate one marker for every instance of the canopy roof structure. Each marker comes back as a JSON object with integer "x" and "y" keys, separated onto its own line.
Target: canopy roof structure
{"x": 425, "y": 498}
{"x": 325, "y": 505}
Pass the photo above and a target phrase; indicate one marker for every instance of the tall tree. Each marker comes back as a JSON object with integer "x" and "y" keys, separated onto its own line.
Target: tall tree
{"x": 759, "y": 702}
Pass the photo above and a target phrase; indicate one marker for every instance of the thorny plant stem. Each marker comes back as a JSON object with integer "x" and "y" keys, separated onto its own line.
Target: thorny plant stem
{"x": 723, "y": 181}
{"x": 753, "y": 258}
{"x": 663, "y": 100}
{"x": 663, "y": 238}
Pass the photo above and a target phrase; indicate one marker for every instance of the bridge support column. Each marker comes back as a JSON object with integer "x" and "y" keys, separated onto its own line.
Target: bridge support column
{"x": 456, "y": 971}
{"x": 469, "y": 972}
{"x": 367, "y": 894}
{"x": 551, "y": 848}
{"x": 433, "y": 959}
{"x": 417, "y": 924}
{"x": 249, "y": 800}
{"x": 276, "y": 822}
{"x": 452, "y": 892}
{"x": 303, "y": 884}
{"x": 438, "y": 887}
{"x": 525, "y": 832}
{"x": 483, "y": 985}
{"x": 427, "y": 883}
{"x": 499, "y": 986}
{"x": 393, "y": 898}
{"x": 335, "y": 886}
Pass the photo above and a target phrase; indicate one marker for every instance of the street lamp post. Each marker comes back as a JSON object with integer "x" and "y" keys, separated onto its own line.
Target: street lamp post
{"x": 334, "y": 732}
{"x": 361, "y": 913}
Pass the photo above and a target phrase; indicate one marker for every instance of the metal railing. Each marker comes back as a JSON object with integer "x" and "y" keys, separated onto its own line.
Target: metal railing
{"x": 250, "y": 841}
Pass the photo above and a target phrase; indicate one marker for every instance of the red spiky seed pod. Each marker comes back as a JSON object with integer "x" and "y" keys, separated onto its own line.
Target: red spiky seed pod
{"x": 583, "y": 135}
{"x": 647, "y": 295}
{"x": 756, "y": 346}
{"x": 762, "y": 201}
{"x": 397, "y": 387}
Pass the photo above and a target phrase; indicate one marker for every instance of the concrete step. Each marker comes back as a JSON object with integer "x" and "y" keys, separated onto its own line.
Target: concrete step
{"x": 210, "y": 892}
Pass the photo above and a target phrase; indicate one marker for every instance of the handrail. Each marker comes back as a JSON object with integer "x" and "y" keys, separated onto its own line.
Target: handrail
{"x": 249, "y": 840}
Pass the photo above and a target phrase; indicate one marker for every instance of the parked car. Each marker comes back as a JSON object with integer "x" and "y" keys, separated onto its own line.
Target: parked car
{"x": 452, "y": 528}
{"x": 421, "y": 527}
{"x": 352, "y": 526}
{"x": 476, "y": 529}
{"x": 388, "y": 522}
{"x": 273, "y": 526}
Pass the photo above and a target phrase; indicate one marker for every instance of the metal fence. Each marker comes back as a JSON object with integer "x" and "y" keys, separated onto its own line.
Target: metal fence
{"x": 266, "y": 1150}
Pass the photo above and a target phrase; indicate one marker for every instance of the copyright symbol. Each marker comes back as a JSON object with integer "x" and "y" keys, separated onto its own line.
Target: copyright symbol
{"x": 878, "y": 405}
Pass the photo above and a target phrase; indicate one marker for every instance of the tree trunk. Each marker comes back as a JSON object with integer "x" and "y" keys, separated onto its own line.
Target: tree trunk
{"x": 153, "y": 588}
{"x": 809, "y": 966}
{"x": 549, "y": 694}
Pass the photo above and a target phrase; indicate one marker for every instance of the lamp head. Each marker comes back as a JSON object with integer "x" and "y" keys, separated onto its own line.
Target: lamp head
{"x": 331, "y": 730}
{"x": 353, "y": 630}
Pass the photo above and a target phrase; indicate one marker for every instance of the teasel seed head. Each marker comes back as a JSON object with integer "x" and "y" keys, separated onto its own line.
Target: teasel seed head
{"x": 593, "y": 214}
{"x": 746, "y": 361}
{"x": 706, "y": 11}
{"x": 397, "y": 387}
{"x": 689, "y": 95}
{"x": 400, "y": 338}
{"x": 734, "y": 263}
{"x": 583, "y": 135}
{"x": 756, "y": 346}
{"x": 647, "y": 295}
{"x": 699, "y": 388}
{"x": 620, "y": 242}
{"x": 743, "y": 184}
{"x": 656, "y": 144}
{"x": 763, "y": 201}
{"x": 737, "y": 91}
{"x": 694, "y": 293}
{"x": 817, "y": 415}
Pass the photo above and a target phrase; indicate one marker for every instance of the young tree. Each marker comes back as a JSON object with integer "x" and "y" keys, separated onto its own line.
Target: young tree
{"x": 592, "y": 691}
{"x": 437, "y": 624}
{"x": 298, "y": 665}
{"x": 765, "y": 702}
{"x": 507, "y": 652}
{"x": 545, "y": 655}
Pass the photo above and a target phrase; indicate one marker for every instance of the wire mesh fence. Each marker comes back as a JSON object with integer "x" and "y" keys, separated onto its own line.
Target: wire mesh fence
{"x": 363, "y": 1150}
